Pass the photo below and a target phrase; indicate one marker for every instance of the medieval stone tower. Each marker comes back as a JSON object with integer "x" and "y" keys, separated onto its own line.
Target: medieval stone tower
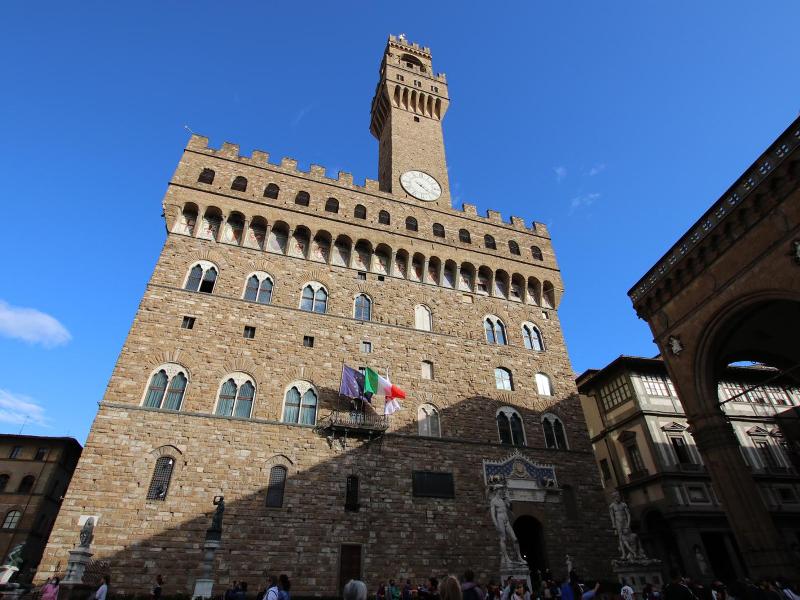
{"x": 270, "y": 280}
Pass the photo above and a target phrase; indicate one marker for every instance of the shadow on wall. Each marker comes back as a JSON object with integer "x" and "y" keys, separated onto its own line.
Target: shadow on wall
{"x": 402, "y": 536}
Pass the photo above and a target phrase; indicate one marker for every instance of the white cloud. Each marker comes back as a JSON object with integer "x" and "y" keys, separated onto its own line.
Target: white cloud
{"x": 582, "y": 201}
{"x": 32, "y": 325}
{"x": 597, "y": 169}
{"x": 18, "y": 409}
{"x": 561, "y": 173}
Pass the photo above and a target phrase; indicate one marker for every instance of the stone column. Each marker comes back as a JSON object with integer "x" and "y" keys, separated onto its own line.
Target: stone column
{"x": 267, "y": 232}
{"x": 761, "y": 544}
{"x": 201, "y": 211}
{"x": 245, "y": 227}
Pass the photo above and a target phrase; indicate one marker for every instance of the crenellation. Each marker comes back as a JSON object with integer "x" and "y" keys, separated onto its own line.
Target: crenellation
{"x": 317, "y": 171}
{"x": 371, "y": 185}
{"x": 290, "y": 164}
{"x": 469, "y": 209}
{"x": 345, "y": 178}
{"x": 494, "y": 216}
{"x": 259, "y": 158}
{"x": 518, "y": 223}
{"x": 198, "y": 142}
{"x": 229, "y": 150}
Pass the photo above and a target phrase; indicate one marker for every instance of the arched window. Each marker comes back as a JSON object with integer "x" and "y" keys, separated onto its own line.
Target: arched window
{"x": 259, "y": 288}
{"x": 422, "y": 318}
{"x": 489, "y": 242}
{"x": 167, "y": 387}
{"x": 239, "y": 184}
{"x": 12, "y": 519}
{"x": 302, "y": 198}
{"x": 363, "y": 308}
{"x": 509, "y": 427}
{"x": 300, "y": 404}
{"x": 332, "y": 205}
{"x": 26, "y": 485}
{"x": 314, "y": 298}
{"x": 202, "y": 277}
{"x": 384, "y": 218}
{"x": 351, "y": 493}
{"x": 277, "y": 484}
{"x": 428, "y": 421}
{"x": 532, "y": 337}
{"x": 271, "y": 191}
{"x": 543, "y": 385}
{"x": 438, "y": 230}
{"x": 463, "y": 236}
{"x": 536, "y": 253}
{"x": 513, "y": 247}
{"x": 411, "y": 224}
{"x": 554, "y": 435}
{"x": 236, "y": 396}
{"x": 502, "y": 379}
{"x": 206, "y": 176}
{"x": 3, "y": 482}
{"x": 360, "y": 211}
{"x": 495, "y": 330}
{"x": 162, "y": 474}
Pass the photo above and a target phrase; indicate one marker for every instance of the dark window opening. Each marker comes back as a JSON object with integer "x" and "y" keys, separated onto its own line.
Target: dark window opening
{"x": 411, "y": 224}
{"x": 463, "y": 236}
{"x": 302, "y": 198}
{"x": 384, "y": 218}
{"x": 360, "y": 211}
{"x": 239, "y": 184}
{"x": 277, "y": 484}
{"x": 438, "y": 230}
{"x": 332, "y": 205}
{"x": 249, "y": 332}
{"x": 26, "y": 485}
{"x": 187, "y": 323}
{"x": 15, "y": 452}
{"x": 206, "y": 176}
{"x": 604, "y": 469}
{"x": 489, "y": 242}
{"x": 351, "y": 494}
{"x": 41, "y": 453}
{"x": 308, "y": 341}
{"x": 162, "y": 474}
{"x": 271, "y": 191}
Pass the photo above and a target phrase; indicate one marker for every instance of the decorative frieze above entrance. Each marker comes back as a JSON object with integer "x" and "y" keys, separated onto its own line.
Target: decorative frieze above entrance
{"x": 525, "y": 480}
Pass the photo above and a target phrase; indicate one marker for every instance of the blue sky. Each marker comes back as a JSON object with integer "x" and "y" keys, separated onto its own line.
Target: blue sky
{"x": 615, "y": 123}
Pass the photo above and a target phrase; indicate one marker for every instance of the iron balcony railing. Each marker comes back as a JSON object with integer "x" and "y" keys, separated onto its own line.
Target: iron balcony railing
{"x": 354, "y": 420}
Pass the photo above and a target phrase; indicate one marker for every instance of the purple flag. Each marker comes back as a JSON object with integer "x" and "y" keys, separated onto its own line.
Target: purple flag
{"x": 352, "y": 384}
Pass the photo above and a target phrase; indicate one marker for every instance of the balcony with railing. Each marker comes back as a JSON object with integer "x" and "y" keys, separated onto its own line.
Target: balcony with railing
{"x": 357, "y": 422}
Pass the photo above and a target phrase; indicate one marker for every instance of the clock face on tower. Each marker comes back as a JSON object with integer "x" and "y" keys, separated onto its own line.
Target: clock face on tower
{"x": 421, "y": 185}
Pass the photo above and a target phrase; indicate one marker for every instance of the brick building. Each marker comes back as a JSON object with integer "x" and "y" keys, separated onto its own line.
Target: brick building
{"x": 644, "y": 450}
{"x": 34, "y": 475}
{"x": 270, "y": 279}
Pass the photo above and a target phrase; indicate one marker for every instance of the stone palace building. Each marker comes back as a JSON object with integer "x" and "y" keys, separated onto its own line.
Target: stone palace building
{"x": 270, "y": 280}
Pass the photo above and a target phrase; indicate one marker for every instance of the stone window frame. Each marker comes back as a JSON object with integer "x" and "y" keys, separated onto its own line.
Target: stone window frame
{"x": 17, "y": 520}
{"x": 533, "y": 329}
{"x": 239, "y": 378}
{"x": 205, "y": 265}
{"x": 429, "y": 363}
{"x": 429, "y": 317}
{"x": 509, "y": 412}
{"x": 169, "y": 451}
{"x": 500, "y": 370}
{"x": 495, "y": 321}
{"x": 549, "y": 384}
{"x": 424, "y": 412}
{"x": 261, "y": 275}
{"x": 278, "y": 460}
{"x": 553, "y": 419}
{"x": 315, "y": 287}
{"x": 302, "y": 386}
{"x": 702, "y": 488}
{"x": 370, "y": 305}
{"x": 172, "y": 370}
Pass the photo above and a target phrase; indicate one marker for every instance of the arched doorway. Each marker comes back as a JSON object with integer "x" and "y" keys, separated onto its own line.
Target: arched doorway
{"x": 531, "y": 542}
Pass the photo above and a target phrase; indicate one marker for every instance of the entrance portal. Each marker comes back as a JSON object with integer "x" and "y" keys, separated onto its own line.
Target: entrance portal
{"x": 531, "y": 542}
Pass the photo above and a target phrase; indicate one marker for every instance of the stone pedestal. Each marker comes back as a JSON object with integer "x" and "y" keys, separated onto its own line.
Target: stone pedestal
{"x": 204, "y": 584}
{"x": 6, "y": 573}
{"x": 79, "y": 558}
{"x": 639, "y": 572}
{"x": 517, "y": 570}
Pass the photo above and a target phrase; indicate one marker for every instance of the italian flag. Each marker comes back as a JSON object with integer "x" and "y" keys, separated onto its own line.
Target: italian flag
{"x": 376, "y": 384}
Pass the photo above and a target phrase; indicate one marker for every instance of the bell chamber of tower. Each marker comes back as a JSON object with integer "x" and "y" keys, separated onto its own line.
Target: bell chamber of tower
{"x": 406, "y": 118}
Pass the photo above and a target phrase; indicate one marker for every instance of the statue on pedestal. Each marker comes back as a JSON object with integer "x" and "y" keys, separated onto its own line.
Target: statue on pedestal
{"x": 215, "y": 531}
{"x": 87, "y": 533}
{"x": 630, "y": 547}
{"x": 500, "y": 509}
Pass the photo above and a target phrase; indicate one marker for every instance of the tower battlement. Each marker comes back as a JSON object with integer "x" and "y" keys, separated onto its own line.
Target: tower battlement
{"x": 260, "y": 158}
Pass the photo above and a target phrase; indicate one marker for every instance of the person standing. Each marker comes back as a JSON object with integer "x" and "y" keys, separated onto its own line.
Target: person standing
{"x": 284, "y": 586}
{"x": 155, "y": 593}
{"x": 102, "y": 591}
{"x": 450, "y": 589}
{"x": 469, "y": 589}
{"x": 272, "y": 588}
{"x": 50, "y": 589}
{"x": 626, "y": 592}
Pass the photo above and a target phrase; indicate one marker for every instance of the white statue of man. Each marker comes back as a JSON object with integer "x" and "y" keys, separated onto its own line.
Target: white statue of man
{"x": 500, "y": 509}
{"x": 630, "y": 548}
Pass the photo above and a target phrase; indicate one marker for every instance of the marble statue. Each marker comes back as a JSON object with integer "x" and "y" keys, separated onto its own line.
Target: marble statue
{"x": 630, "y": 547}
{"x": 569, "y": 565}
{"x": 14, "y": 558}
{"x": 87, "y": 532}
{"x": 500, "y": 509}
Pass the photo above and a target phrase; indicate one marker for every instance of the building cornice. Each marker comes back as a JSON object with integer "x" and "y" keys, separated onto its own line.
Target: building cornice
{"x": 687, "y": 257}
